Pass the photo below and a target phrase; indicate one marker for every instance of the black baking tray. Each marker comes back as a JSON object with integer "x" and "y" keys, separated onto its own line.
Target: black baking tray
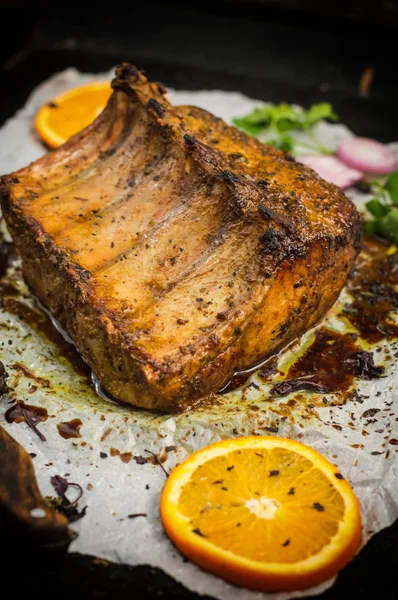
{"x": 266, "y": 54}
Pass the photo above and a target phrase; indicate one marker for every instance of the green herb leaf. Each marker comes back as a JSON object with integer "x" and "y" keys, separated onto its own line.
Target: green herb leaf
{"x": 385, "y": 222}
{"x": 282, "y": 111}
{"x": 387, "y": 226}
{"x": 286, "y": 118}
{"x": 250, "y": 128}
{"x": 377, "y": 208}
{"x": 278, "y": 119}
{"x": 391, "y": 186}
{"x": 283, "y": 143}
{"x": 317, "y": 112}
{"x": 281, "y": 117}
{"x": 370, "y": 226}
{"x": 287, "y": 125}
{"x": 259, "y": 117}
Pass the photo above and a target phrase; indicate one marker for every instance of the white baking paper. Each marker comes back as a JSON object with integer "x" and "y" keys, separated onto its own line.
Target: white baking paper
{"x": 114, "y": 489}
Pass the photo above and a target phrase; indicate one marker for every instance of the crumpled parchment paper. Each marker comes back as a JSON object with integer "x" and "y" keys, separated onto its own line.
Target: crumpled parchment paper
{"x": 102, "y": 460}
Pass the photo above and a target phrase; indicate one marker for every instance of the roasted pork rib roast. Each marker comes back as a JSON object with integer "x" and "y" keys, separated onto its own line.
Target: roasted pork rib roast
{"x": 174, "y": 249}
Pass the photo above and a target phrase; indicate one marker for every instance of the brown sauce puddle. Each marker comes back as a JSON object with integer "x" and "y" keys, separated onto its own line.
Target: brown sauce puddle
{"x": 330, "y": 364}
{"x": 7, "y": 289}
{"x": 7, "y": 256}
{"x": 70, "y": 429}
{"x": 125, "y": 457}
{"x": 15, "y": 414}
{"x": 31, "y": 415}
{"x": 371, "y": 285}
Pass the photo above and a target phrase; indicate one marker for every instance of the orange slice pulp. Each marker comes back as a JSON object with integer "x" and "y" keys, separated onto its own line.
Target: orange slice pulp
{"x": 266, "y": 513}
{"x": 71, "y": 112}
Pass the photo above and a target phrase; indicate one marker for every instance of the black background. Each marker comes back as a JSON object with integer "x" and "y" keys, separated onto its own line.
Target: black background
{"x": 265, "y": 52}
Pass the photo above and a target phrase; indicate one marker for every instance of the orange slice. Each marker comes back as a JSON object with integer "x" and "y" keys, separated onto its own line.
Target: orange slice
{"x": 71, "y": 112}
{"x": 266, "y": 513}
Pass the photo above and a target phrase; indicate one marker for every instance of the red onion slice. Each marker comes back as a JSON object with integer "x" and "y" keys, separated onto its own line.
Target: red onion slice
{"x": 367, "y": 155}
{"x": 332, "y": 169}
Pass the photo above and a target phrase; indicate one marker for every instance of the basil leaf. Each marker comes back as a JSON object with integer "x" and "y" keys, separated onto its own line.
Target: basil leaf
{"x": 391, "y": 186}
{"x": 377, "y": 208}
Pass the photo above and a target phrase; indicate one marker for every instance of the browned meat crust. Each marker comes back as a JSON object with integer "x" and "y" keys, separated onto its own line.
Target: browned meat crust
{"x": 175, "y": 249}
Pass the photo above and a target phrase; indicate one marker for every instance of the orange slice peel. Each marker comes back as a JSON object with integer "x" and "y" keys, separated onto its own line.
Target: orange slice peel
{"x": 266, "y": 513}
{"x": 70, "y": 112}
